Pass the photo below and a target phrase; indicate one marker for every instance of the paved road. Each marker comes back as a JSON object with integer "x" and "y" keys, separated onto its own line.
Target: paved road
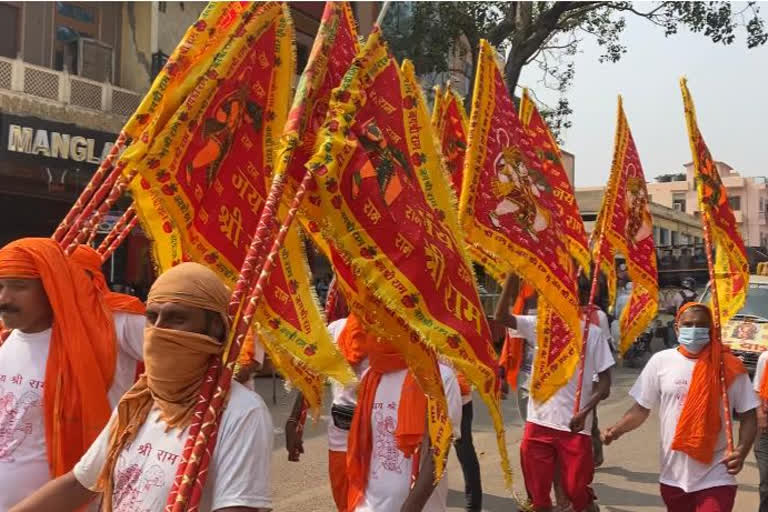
{"x": 627, "y": 482}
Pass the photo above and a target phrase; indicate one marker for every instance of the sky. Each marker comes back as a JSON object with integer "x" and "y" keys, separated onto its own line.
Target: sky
{"x": 729, "y": 85}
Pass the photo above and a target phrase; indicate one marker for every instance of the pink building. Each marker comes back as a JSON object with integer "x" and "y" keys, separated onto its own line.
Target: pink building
{"x": 748, "y": 198}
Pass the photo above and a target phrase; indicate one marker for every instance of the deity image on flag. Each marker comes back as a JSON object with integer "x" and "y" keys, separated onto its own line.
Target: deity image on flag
{"x": 220, "y": 128}
{"x": 518, "y": 190}
{"x": 386, "y": 164}
{"x": 640, "y": 225}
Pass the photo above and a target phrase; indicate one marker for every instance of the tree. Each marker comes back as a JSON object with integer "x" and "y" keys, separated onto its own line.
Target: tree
{"x": 548, "y": 33}
{"x": 667, "y": 178}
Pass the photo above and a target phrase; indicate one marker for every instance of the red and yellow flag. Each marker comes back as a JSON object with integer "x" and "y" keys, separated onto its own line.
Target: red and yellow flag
{"x": 452, "y": 129}
{"x": 627, "y": 227}
{"x": 731, "y": 264}
{"x": 509, "y": 212}
{"x": 548, "y": 152}
{"x": 384, "y": 205}
{"x": 210, "y": 172}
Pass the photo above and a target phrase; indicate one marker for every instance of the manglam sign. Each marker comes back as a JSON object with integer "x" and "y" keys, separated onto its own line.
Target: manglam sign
{"x": 55, "y": 144}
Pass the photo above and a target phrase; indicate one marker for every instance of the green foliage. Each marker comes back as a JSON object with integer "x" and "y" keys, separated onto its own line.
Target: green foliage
{"x": 547, "y": 34}
{"x": 667, "y": 178}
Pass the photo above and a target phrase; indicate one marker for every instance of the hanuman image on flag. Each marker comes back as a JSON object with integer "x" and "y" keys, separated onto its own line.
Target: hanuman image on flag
{"x": 517, "y": 188}
{"x": 639, "y": 222}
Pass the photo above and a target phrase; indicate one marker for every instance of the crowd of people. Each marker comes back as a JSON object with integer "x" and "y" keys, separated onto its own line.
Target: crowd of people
{"x": 97, "y": 390}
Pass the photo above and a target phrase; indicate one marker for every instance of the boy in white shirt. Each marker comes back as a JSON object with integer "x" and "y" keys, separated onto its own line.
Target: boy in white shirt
{"x": 556, "y": 440}
{"x": 697, "y": 475}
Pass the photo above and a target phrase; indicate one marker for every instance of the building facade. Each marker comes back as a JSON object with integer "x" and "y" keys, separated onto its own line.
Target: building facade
{"x": 71, "y": 73}
{"x": 748, "y": 198}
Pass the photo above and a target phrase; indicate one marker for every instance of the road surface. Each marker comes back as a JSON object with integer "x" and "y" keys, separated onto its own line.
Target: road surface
{"x": 627, "y": 482}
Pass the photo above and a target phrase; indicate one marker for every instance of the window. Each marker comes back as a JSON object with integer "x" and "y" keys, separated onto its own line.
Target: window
{"x": 663, "y": 236}
{"x": 675, "y": 238}
{"x": 162, "y": 6}
{"x": 158, "y": 61}
{"x": 74, "y": 21}
{"x": 762, "y": 204}
{"x": 735, "y": 203}
{"x": 678, "y": 205}
{"x": 9, "y": 38}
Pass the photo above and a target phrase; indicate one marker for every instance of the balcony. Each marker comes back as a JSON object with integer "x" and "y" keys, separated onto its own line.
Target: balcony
{"x": 67, "y": 89}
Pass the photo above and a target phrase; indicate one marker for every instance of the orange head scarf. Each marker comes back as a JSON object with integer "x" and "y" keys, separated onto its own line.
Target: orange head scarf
{"x": 82, "y": 353}
{"x": 176, "y": 363}
{"x": 411, "y": 413}
{"x": 512, "y": 351}
{"x": 353, "y": 340}
{"x": 698, "y": 427}
{"x": 88, "y": 259}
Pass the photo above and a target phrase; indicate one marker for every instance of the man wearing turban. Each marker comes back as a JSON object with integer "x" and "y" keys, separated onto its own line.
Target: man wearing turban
{"x": 134, "y": 461}
{"x": 60, "y": 366}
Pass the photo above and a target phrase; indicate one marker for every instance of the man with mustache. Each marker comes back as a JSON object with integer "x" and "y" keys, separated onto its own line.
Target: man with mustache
{"x": 62, "y": 367}
{"x": 134, "y": 461}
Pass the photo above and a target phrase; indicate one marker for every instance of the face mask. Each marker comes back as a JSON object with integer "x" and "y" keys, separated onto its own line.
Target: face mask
{"x": 176, "y": 362}
{"x": 693, "y": 339}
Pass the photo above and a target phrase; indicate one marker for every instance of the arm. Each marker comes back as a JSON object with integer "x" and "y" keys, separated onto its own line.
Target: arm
{"x": 747, "y": 434}
{"x": 293, "y": 441}
{"x": 425, "y": 483}
{"x": 632, "y": 419}
{"x": 602, "y": 390}
{"x": 511, "y": 288}
{"x": 63, "y": 493}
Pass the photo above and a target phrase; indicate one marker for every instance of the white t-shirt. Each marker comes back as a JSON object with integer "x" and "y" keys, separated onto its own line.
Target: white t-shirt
{"x": 557, "y": 412}
{"x": 529, "y": 349}
{"x": 239, "y": 474}
{"x": 23, "y": 359}
{"x": 389, "y": 479}
{"x": 342, "y": 395}
{"x": 760, "y": 370}
{"x": 663, "y": 384}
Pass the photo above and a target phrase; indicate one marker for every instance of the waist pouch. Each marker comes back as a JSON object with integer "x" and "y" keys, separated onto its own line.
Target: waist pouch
{"x": 342, "y": 415}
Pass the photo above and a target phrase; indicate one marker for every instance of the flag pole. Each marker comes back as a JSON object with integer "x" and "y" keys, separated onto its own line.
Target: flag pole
{"x": 120, "y": 238}
{"x": 716, "y": 327}
{"x": 585, "y": 332}
{"x": 104, "y": 171}
{"x": 116, "y": 229}
{"x": 382, "y": 14}
{"x": 191, "y": 484}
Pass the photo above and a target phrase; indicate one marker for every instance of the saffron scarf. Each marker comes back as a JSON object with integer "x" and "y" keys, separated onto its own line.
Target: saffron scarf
{"x": 90, "y": 260}
{"x": 352, "y": 340}
{"x": 82, "y": 354}
{"x": 411, "y": 415}
{"x": 698, "y": 427}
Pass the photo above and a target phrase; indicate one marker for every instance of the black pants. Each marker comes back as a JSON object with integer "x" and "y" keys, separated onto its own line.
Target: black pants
{"x": 761, "y": 454}
{"x": 465, "y": 449}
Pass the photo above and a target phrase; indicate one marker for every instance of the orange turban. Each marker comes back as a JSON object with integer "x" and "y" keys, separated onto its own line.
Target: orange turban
{"x": 82, "y": 354}
{"x": 88, "y": 259}
{"x": 699, "y": 424}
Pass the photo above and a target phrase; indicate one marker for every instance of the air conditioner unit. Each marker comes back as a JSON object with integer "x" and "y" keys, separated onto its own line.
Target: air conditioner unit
{"x": 95, "y": 60}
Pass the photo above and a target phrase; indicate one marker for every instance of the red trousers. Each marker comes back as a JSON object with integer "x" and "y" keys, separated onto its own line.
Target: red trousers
{"x": 542, "y": 450}
{"x": 714, "y": 499}
{"x": 337, "y": 469}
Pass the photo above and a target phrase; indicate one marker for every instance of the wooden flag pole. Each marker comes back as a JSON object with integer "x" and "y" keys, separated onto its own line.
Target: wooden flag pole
{"x": 187, "y": 496}
{"x": 120, "y": 238}
{"x": 585, "y": 332}
{"x": 716, "y": 328}
{"x": 116, "y": 229}
{"x": 104, "y": 170}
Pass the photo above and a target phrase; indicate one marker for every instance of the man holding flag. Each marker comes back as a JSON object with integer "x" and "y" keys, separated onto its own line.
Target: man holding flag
{"x": 697, "y": 473}
{"x": 556, "y": 440}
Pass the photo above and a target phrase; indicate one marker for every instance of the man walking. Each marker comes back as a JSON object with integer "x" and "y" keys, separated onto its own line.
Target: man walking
{"x": 134, "y": 461}
{"x": 761, "y": 445}
{"x": 697, "y": 475}
{"x": 555, "y": 441}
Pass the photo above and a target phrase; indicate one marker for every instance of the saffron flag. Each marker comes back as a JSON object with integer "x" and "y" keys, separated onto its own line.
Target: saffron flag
{"x": 510, "y": 216}
{"x": 384, "y": 204}
{"x": 210, "y": 172}
{"x": 627, "y": 227}
{"x": 452, "y": 130}
{"x": 731, "y": 264}
{"x": 549, "y": 155}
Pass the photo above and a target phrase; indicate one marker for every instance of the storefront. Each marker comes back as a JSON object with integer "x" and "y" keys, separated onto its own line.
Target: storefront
{"x": 44, "y": 165}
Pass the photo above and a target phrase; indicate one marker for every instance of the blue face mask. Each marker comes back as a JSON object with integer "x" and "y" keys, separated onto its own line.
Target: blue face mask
{"x": 693, "y": 339}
